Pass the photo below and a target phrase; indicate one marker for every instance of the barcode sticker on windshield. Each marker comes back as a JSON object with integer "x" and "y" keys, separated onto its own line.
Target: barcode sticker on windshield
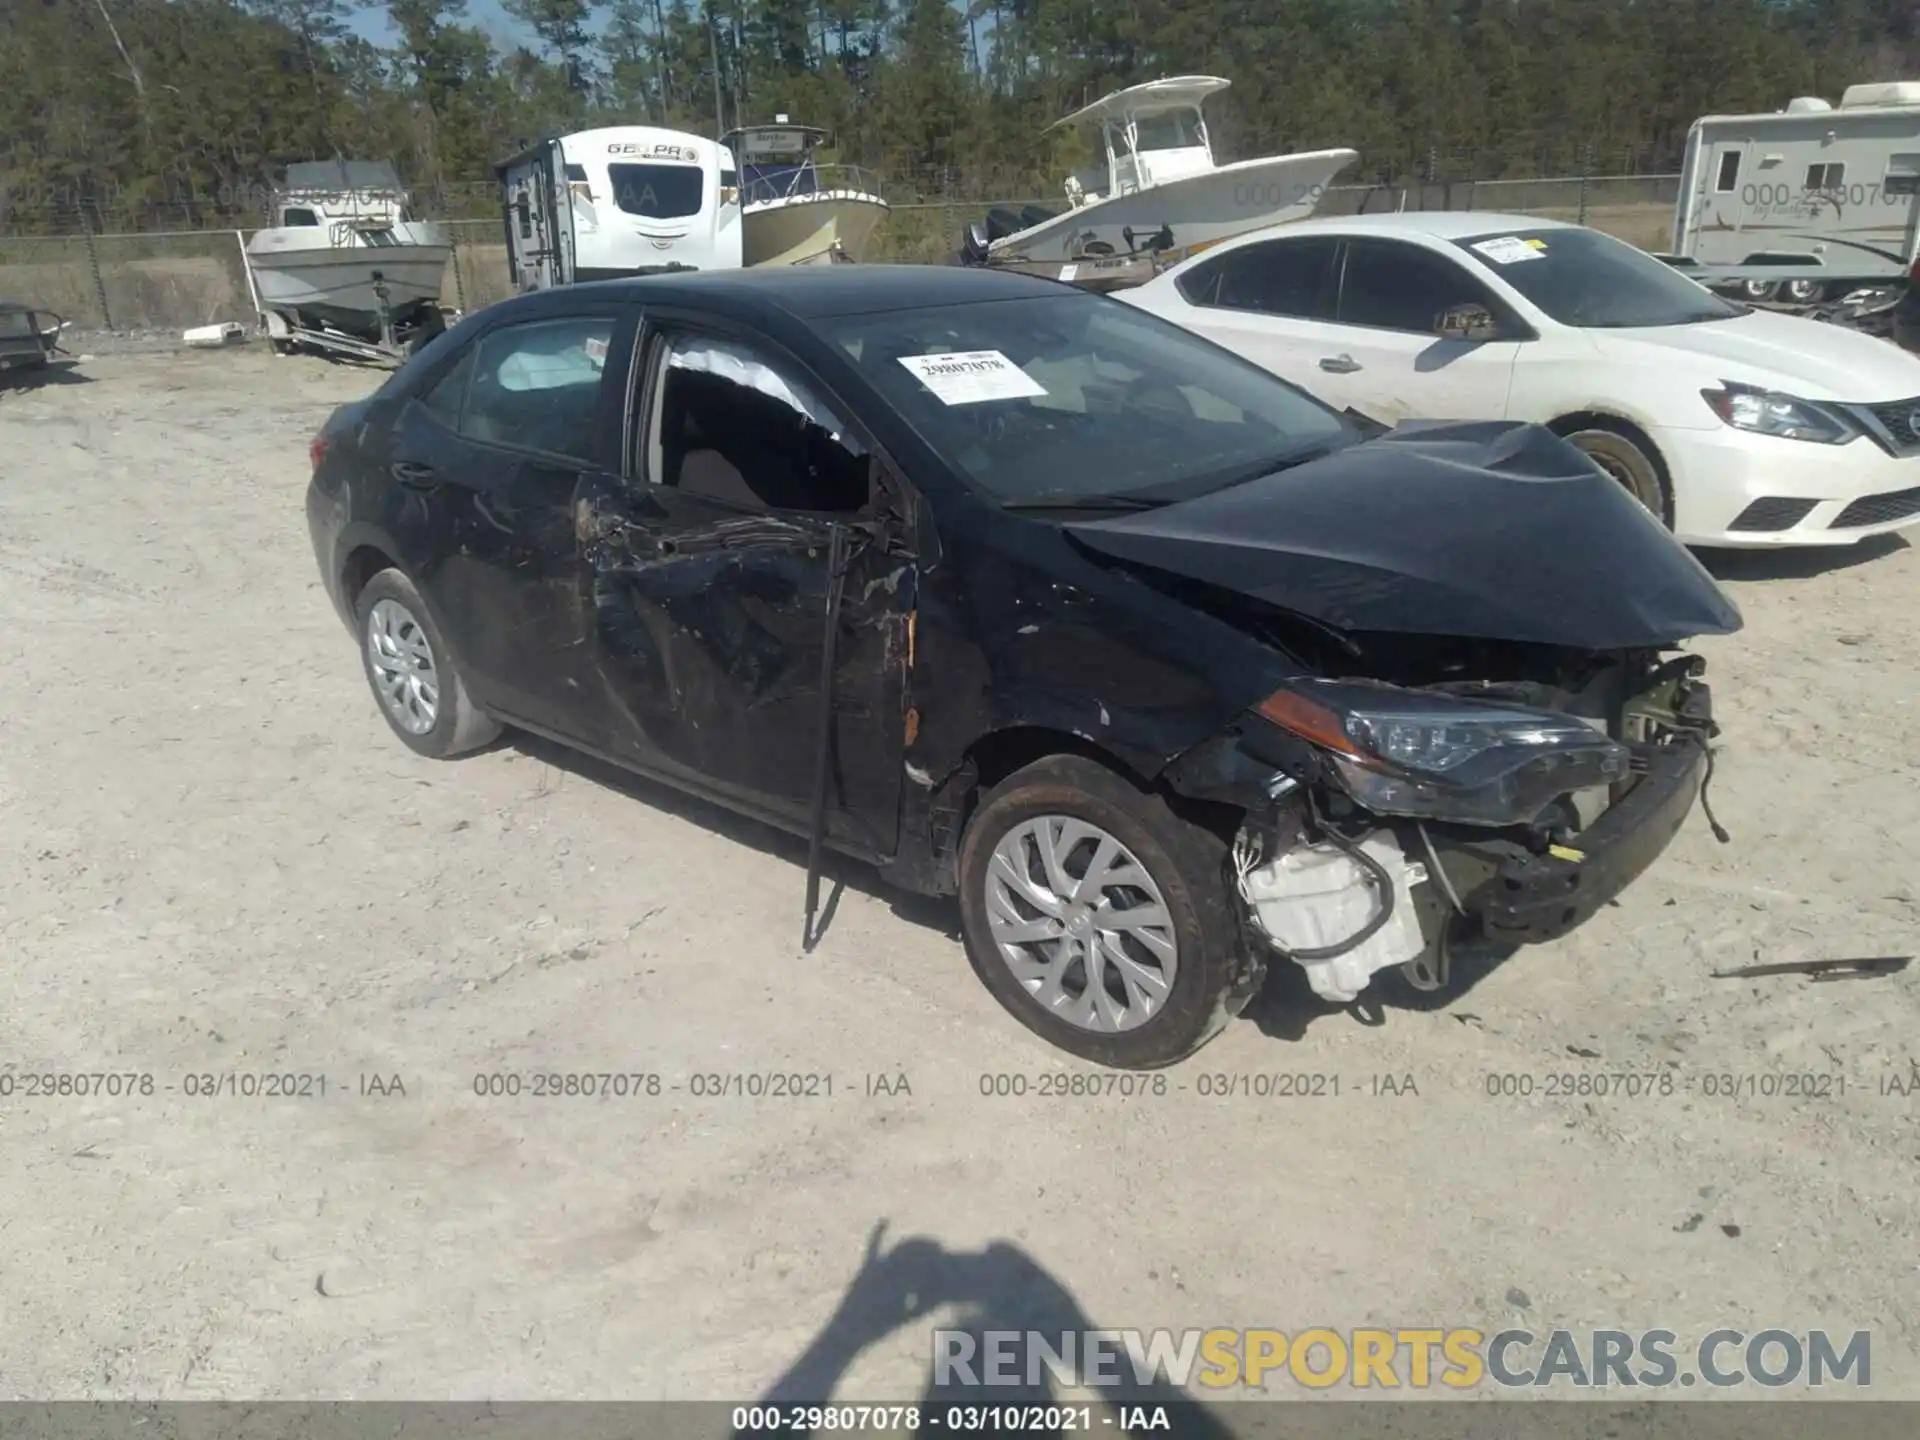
{"x": 1507, "y": 249}
{"x": 596, "y": 349}
{"x": 967, "y": 377}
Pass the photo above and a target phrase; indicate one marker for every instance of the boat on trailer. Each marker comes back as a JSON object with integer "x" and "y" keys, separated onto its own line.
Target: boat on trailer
{"x": 798, "y": 211}
{"x": 1161, "y": 196}
{"x": 344, "y": 267}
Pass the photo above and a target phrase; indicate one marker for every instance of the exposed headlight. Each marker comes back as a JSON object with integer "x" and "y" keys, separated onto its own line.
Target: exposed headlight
{"x": 1765, "y": 412}
{"x": 1406, "y": 752}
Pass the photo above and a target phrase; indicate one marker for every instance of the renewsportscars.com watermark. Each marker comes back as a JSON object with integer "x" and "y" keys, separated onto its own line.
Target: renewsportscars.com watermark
{"x": 1414, "y": 1359}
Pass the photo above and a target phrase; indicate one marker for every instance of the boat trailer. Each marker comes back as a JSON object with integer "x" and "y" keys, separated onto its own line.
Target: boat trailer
{"x": 398, "y": 337}
{"x": 1857, "y": 303}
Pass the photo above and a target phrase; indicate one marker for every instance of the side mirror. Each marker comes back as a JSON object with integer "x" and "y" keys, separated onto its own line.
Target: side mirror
{"x": 1466, "y": 322}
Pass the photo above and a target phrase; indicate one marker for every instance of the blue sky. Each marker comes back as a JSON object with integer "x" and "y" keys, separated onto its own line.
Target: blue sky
{"x": 486, "y": 14}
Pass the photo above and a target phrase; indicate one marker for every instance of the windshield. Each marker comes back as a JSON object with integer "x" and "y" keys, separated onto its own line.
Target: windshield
{"x": 1593, "y": 281}
{"x": 658, "y": 192}
{"x": 1075, "y": 397}
{"x": 1167, "y": 130}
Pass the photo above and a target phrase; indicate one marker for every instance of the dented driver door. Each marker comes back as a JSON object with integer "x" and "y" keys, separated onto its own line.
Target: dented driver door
{"x": 708, "y": 630}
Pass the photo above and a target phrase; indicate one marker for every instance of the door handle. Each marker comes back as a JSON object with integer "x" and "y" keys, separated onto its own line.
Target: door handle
{"x": 1339, "y": 364}
{"x": 415, "y": 476}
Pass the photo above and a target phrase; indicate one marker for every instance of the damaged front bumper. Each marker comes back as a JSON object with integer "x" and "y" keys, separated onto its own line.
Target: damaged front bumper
{"x": 1530, "y": 899}
{"x": 1346, "y": 891}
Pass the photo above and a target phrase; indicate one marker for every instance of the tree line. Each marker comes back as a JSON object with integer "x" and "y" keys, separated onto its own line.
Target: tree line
{"x": 123, "y": 105}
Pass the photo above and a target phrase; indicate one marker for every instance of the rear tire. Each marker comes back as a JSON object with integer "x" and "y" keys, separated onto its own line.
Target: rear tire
{"x": 1169, "y": 884}
{"x": 414, "y": 678}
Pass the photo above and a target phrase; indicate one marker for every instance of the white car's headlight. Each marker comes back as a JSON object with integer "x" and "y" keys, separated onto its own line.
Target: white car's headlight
{"x": 1767, "y": 412}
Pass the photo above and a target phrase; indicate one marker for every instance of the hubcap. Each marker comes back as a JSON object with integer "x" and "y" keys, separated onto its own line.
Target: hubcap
{"x": 1081, "y": 924}
{"x": 401, "y": 660}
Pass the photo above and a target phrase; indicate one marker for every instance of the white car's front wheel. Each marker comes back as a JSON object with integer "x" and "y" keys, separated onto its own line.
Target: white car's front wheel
{"x": 1631, "y": 462}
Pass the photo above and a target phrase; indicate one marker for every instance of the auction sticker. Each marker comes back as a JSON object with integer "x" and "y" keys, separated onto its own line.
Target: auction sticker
{"x": 1507, "y": 249}
{"x": 967, "y": 377}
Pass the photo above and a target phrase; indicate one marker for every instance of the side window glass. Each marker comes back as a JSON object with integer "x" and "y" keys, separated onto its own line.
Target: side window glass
{"x": 1729, "y": 172}
{"x": 1391, "y": 286}
{"x": 731, "y": 425}
{"x": 1282, "y": 277}
{"x": 447, "y": 394}
{"x": 1200, "y": 285}
{"x": 537, "y": 386}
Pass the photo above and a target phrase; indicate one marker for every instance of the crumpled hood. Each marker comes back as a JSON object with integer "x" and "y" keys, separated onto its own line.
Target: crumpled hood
{"x": 1490, "y": 530}
{"x": 1785, "y": 352}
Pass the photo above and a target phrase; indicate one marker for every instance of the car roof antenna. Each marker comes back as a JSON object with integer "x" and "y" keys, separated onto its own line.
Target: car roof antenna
{"x": 837, "y": 561}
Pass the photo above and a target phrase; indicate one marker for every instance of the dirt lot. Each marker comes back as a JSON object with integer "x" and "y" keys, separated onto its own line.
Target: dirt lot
{"x": 215, "y": 861}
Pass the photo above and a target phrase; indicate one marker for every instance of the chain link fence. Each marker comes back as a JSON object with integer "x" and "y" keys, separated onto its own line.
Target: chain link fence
{"x": 154, "y": 273}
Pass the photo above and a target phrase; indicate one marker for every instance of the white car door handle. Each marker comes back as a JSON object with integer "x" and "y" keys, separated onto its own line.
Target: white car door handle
{"x": 1339, "y": 364}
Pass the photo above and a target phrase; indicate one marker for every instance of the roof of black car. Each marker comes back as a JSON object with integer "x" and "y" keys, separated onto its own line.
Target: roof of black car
{"x": 818, "y": 291}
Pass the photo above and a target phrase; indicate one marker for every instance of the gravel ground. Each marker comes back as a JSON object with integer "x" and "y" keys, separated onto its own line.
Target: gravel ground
{"x": 215, "y": 861}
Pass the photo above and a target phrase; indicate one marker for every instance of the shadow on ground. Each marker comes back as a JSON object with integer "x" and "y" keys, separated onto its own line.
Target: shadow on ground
{"x": 40, "y": 377}
{"x": 838, "y": 873}
{"x": 1286, "y": 1007}
{"x": 1799, "y": 563}
{"x": 997, "y": 1289}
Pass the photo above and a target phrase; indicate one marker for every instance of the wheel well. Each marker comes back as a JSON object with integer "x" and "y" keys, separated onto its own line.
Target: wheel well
{"x": 998, "y": 754}
{"x": 1599, "y": 420}
{"x": 362, "y": 565}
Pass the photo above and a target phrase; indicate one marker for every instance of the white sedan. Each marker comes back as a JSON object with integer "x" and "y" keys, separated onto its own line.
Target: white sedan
{"x": 1739, "y": 427}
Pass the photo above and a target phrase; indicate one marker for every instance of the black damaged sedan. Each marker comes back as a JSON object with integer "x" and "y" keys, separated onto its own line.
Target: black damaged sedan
{"x": 1160, "y": 665}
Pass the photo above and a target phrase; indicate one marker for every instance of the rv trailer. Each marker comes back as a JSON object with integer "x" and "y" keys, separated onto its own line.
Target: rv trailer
{"x": 624, "y": 200}
{"x": 1806, "y": 205}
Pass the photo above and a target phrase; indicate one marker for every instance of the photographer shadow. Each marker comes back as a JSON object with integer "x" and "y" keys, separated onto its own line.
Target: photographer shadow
{"x": 998, "y": 1289}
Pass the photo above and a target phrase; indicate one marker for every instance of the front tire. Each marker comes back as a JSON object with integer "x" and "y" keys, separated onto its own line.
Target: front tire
{"x": 1101, "y": 919}
{"x": 1632, "y": 462}
{"x": 412, "y": 673}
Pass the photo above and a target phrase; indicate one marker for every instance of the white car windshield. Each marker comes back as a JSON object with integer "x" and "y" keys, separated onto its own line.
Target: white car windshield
{"x": 1078, "y": 399}
{"x": 1592, "y": 281}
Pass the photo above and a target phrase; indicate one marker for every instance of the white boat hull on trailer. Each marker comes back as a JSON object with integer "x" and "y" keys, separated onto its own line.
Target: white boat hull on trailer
{"x": 1194, "y": 210}
{"x": 346, "y": 279}
{"x": 808, "y": 229}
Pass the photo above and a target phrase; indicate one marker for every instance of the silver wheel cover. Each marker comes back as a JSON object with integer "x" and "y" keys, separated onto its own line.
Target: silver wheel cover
{"x": 1081, "y": 924}
{"x": 400, "y": 659}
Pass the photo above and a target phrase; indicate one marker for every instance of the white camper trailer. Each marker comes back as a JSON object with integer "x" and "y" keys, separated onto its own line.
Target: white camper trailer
{"x": 1826, "y": 194}
{"x": 599, "y": 204}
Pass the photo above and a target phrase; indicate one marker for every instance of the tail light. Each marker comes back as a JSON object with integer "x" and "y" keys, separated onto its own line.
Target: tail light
{"x": 317, "y": 449}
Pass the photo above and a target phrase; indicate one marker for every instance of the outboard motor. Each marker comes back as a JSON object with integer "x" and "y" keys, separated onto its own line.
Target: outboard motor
{"x": 973, "y": 244}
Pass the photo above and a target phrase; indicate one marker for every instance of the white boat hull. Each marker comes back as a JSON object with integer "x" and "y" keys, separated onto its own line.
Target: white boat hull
{"x": 804, "y": 229}
{"x": 1197, "y": 209}
{"x": 344, "y": 279}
